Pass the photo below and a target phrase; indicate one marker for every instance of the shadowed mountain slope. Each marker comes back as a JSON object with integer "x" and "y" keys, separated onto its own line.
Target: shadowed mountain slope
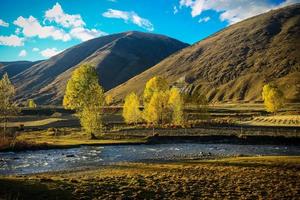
{"x": 234, "y": 64}
{"x": 14, "y": 68}
{"x": 117, "y": 57}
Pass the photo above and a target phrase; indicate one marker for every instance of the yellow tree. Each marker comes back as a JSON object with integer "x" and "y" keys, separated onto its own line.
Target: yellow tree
{"x": 176, "y": 103}
{"x": 8, "y": 106}
{"x": 157, "y": 110}
{"x": 108, "y": 100}
{"x": 86, "y": 96}
{"x": 91, "y": 114}
{"x": 155, "y": 84}
{"x": 31, "y": 103}
{"x": 273, "y": 97}
{"x": 79, "y": 90}
{"x": 131, "y": 111}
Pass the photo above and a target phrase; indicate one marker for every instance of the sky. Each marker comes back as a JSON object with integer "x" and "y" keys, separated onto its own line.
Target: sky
{"x": 38, "y": 29}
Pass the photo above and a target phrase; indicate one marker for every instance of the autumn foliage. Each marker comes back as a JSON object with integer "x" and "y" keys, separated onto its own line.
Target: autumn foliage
{"x": 86, "y": 96}
{"x": 273, "y": 98}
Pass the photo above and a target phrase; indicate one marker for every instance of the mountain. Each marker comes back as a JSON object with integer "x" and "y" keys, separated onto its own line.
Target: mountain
{"x": 234, "y": 64}
{"x": 14, "y": 68}
{"x": 117, "y": 58}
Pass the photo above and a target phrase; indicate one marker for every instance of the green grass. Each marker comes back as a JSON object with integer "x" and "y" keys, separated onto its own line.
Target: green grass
{"x": 234, "y": 178}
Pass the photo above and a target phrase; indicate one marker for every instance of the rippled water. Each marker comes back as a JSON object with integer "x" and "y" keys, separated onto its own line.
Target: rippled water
{"x": 27, "y": 162}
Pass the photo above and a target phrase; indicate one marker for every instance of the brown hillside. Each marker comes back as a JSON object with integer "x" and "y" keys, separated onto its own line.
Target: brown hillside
{"x": 235, "y": 63}
{"x": 117, "y": 57}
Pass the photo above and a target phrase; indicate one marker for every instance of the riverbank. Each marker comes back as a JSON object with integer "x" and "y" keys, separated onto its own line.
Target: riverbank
{"x": 270, "y": 177}
{"x": 73, "y": 137}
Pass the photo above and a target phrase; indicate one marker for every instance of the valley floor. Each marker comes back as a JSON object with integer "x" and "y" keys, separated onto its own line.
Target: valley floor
{"x": 231, "y": 178}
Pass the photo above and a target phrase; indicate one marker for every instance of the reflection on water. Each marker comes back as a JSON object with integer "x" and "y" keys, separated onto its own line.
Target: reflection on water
{"x": 90, "y": 156}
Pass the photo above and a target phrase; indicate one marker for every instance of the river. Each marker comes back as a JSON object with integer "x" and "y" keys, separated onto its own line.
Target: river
{"x": 27, "y": 162}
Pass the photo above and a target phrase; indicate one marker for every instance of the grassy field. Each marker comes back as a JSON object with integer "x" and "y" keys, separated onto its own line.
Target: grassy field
{"x": 59, "y": 138}
{"x": 231, "y": 178}
{"x": 69, "y": 137}
{"x": 275, "y": 120}
{"x": 57, "y": 127}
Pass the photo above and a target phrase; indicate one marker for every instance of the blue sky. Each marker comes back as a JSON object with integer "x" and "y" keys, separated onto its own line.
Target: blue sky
{"x": 38, "y": 29}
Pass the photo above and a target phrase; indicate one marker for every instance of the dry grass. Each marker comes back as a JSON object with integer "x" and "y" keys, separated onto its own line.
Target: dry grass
{"x": 276, "y": 120}
{"x": 234, "y": 178}
{"x": 34, "y": 123}
{"x": 68, "y": 137}
{"x": 234, "y": 64}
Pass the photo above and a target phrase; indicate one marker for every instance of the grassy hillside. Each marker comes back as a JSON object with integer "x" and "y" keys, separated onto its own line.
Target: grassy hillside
{"x": 234, "y": 64}
{"x": 14, "y": 68}
{"x": 117, "y": 57}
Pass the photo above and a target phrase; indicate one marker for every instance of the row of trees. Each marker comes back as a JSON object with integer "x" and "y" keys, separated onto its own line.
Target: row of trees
{"x": 161, "y": 104}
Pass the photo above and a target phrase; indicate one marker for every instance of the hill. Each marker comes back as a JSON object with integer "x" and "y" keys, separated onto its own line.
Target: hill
{"x": 234, "y": 64}
{"x": 117, "y": 57}
{"x": 14, "y": 68}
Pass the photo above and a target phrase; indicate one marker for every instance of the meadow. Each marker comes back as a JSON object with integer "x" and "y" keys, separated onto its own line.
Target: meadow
{"x": 238, "y": 177}
{"x": 232, "y": 178}
{"x": 55, "y": 127}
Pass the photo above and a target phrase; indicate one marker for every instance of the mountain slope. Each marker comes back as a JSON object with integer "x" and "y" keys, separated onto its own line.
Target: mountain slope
{"x": 235, "y": 63}
{"x": 14, "y": 68}
{"x": 117, "y": 58}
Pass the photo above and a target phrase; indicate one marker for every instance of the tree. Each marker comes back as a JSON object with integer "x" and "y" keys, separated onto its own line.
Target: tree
{"x": 131, "y": 110}
{"x": 31, "y": 103}
{"x": 273, "y": 97}
{"x": 157, "y": 110}
{"x": 8, "y": 106}
{"x": 108, "y": 99}
{"x": 155, "y": 84}
{"x": 86, "y": 96}
{"x": 176, "y": 104}
{"x": 80, "y": 88}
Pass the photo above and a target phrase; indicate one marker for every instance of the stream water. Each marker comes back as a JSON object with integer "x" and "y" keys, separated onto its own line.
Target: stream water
{"x": 27, "y": 162}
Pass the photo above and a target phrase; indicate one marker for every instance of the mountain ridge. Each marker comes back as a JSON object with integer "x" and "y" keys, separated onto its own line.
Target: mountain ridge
{"x": 131, "y": 52}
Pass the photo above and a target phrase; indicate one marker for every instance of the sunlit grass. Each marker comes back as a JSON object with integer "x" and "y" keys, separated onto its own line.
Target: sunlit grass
{"x": 34, "y": 123}
{"x": 69, "y": 137}
{"x": 268, "y": 177}
{"x": 275, "y": 120}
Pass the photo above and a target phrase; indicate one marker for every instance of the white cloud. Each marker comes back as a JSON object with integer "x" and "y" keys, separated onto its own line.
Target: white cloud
{"x": 11, "y": 40}
{"x": 23, "y": 53}
{"x": 31, "y": 27}
{"x": 3, "y": 23}
{"x": 204, "y": 19}
{"x": 232, "y": 10}
{"x": 175, "y": 10}
{"x": 74, "y": 22}
{"x": 57, "y": 15}
{"x": 49, "y": 52}
{"x": 35, "y": 49}
{"x": 86, "y": 34}
{"x": 129, "y": 17}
